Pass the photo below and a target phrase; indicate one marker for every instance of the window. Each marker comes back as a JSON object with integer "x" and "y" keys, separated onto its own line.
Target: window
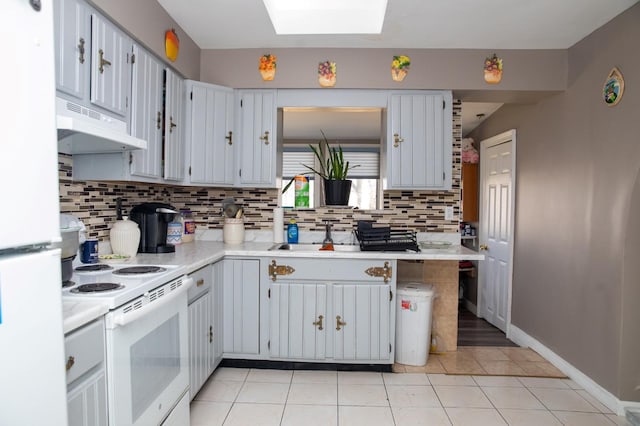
{"x": 365, "y": 188}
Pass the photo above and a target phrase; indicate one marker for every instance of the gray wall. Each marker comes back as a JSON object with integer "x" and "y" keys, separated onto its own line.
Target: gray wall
{"x": 147, "y": 21}
{"x": 577, "y": 239}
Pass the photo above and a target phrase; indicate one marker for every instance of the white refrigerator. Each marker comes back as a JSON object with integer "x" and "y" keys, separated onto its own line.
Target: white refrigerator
{"x": 32, "y": 369}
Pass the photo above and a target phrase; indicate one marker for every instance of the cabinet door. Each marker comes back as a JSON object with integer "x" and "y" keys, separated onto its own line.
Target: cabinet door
{"x": 200, "y": 343}
{"x": 419, "y": 142}
{"x": 173, "y": 128}
{"x": 361, "y": 322}
{"x": 257, "y": 114}
{"x": 298, "y": 321}
{"x": 217, "y": 300}
{"x": 210, "y": 134}
{"x": 146, "y": 113}
{"x": 241, "y": 285}
{"x": 72, "y": 46}
{"x": 110, "y": 67}
{"x": 87, "y": 402}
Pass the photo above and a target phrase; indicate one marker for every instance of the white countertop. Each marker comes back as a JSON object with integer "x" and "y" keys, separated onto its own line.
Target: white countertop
{"x": 193, "y": 256}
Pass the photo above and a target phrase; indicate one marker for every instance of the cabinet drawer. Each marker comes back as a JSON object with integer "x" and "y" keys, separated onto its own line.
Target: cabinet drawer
{"x": 358, "y": 270}
{"x": 84, "y": 349}
{"x": 202, "y": 278}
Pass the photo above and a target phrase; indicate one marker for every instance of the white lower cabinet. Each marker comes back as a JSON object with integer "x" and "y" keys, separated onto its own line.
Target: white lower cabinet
{"x": 330, "y": 310}
{"x": 86, "y": 381}
{"x": 241, "y": 300}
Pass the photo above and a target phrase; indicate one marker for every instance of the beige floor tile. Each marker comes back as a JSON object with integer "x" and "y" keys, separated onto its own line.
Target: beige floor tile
{"x": 572, "y": 384}
{"x": 370, "y": 395}
{"x": 255, "y": 415}
{"x": 509, "y": 381}
{"x": 529, "y": 417}
{"x": 618, "y": 420}
{"x": 269, "y": 376}
{"x": 206, "y": 413}
{"x": 219, "y": 391}
{"x": 304, "y": 376}
{"x": 231, "y": 374}
{"x": 420, "y": 416}
{"x": 313, "y": 394}
{"x": 462, "y": 396}
{"x": 485, "y": 353}
{"x": 451, "y": 380}
{"x": 310, "y": 415}
{"x": 365, "y": 416}
{"x": 544, "y": 382}
{"x": 522, "y": 354}
{"x": 509, "y": 397}
{"x": 508, "y": 368}
{"x": 462, "y": 365}
{"x": 569, "y": 418}
{"x": 359, "y": 378}
{"x": 475, "y": 417}
{"x": 414, "y": 369}
{"x": 398, "y": 368}
{"x": 540, "y": 369}
{"x": 601, "y": 407}
{"x": 419, "y": 379}
{"x": 563, "y": 400}
{"x": 412, "y": 396}
{"x": 434, "y": 365}
{"x": 264, "y": 393}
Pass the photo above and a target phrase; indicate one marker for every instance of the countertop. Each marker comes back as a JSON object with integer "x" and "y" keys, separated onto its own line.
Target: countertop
{"x": 193, "y": 256}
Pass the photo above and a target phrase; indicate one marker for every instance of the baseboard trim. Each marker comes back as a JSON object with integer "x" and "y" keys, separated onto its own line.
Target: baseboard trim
{"x": 471, "y": 307}
{"x": 601, "y": 394}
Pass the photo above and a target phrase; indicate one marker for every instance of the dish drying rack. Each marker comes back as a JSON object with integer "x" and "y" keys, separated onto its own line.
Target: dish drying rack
{"x": 386, "y": 239}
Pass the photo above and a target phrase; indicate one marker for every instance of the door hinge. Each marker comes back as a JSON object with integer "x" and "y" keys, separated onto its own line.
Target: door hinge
{"x": 269, "y": 294}
{"x": 133, "y": 58}
{"x": 390, "y": 295}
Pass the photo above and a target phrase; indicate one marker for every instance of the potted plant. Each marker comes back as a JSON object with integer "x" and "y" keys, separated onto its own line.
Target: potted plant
{"x": 333, "y": 169}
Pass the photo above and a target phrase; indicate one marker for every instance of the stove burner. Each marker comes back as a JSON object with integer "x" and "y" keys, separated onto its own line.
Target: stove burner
{"x": 94, "y": 268}
{"x": 68, "y": 283}
{"x": 136, "y": 270}
{"x": 96, "y": 288}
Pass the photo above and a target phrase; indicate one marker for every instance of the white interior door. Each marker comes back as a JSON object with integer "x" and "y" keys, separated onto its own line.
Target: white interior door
{"x": 497, "y": 177}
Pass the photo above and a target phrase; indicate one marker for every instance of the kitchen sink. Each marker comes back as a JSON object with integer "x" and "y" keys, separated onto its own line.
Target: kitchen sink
{"x": 314, "y": 247}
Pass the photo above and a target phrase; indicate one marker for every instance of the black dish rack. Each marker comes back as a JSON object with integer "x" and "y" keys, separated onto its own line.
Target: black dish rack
{"x": 386, "y": 239}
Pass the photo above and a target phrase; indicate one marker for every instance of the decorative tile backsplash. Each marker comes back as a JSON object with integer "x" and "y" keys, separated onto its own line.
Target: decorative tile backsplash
{"x": 95, "y": 202}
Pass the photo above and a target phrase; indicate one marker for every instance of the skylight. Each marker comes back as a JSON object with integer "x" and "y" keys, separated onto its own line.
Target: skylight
{"x": 326, "y": 16}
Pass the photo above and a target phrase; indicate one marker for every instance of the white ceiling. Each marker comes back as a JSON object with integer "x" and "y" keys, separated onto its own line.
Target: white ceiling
{"x": 437, "y": 24}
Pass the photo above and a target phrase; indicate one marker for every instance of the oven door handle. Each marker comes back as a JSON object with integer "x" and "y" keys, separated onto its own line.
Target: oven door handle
{"x": 124, "y": 319}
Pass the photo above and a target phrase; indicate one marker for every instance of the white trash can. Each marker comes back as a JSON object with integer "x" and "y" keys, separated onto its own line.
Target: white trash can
{"x": 413, "y": 323}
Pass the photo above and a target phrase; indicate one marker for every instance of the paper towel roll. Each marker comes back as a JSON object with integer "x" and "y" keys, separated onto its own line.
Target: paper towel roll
{"x": 278, "y": 225}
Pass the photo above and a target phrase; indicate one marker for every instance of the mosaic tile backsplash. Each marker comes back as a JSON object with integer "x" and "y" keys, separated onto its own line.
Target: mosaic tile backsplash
{"x": 95, "y": 202}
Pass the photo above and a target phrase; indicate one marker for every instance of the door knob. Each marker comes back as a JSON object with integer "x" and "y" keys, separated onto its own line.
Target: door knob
{"x": 484, "y": 247}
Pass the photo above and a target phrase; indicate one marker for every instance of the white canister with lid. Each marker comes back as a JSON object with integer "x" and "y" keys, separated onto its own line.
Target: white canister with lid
{"x": 233, "y": 231}
{"x": 125, "y": 237}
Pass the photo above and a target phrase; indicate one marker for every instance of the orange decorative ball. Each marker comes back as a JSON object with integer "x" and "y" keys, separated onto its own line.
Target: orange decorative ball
{"x": 171, "y": 44}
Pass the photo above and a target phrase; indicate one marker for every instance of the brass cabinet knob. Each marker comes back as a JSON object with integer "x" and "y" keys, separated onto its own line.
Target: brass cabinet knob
{"x": 339, "y": 323}
{"x": 484, "y": 247}
{"x": 70, "y": 361}
{"x": 319, "y": 322}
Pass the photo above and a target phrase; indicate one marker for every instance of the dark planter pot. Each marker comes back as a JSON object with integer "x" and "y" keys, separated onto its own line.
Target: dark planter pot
{"x": 336, "y": 192}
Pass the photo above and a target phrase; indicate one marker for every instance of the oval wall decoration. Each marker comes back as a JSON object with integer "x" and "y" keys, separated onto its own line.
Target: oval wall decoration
{"x": 613, "y": 87}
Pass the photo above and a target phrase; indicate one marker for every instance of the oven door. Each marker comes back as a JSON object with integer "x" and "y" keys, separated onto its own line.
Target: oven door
{"x": 147, "y": 355}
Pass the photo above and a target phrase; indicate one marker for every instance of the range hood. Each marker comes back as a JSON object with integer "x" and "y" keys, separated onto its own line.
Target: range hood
{"x": 82, "y": 130}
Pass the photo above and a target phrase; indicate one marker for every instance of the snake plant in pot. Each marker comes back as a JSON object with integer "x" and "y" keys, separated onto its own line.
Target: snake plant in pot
{"x": 334, "y": 170}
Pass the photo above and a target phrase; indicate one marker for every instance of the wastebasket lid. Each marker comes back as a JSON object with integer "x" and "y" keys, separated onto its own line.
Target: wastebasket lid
{"x": 415, "y": 289}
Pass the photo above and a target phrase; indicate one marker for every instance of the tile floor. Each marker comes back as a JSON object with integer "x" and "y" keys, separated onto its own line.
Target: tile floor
{"x": 253, "y": 397}
{"x": 479, "y": 360}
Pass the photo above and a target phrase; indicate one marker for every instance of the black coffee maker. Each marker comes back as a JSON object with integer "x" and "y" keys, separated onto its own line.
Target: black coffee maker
{"x": 153, "y": 220}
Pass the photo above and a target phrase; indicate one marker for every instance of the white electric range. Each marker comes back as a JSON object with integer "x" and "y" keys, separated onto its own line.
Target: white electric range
{"x": 146, "y": 339}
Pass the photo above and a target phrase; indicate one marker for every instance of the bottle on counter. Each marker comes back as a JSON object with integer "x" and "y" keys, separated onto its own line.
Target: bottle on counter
{"x": 188, "y": 226}
{"x": 292, "y": 232}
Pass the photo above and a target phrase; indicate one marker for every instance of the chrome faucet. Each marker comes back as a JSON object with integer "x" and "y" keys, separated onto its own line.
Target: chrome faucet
{"x": 327, "y": 237}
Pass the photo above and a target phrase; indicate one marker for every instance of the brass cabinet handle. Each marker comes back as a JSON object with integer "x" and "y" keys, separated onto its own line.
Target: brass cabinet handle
{"x": 484, "y": 247}
{"x": 171, "y": 124}
{"x": 159, "y": 121}
{"x": 200, "y": 282}
{"x": 380, "y": 271}
{"x": 396, "y": 140}
{"x": 339, "y": 323}
{"x": 81, "y": 49}
{"x": 210, "y": 333}
{"x": 70, "y": 361}
{"x": 229, "y": 137}
{"x": 102, "y": 61}
{"x": 265, "y": 137}
{"x": 319, "y": 322}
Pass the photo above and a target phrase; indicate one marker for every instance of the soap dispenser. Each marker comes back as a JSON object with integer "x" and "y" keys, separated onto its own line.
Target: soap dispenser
{"x": 292, "y": 232}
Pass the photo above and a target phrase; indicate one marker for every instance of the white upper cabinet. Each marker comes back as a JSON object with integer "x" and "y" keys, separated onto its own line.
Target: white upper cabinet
{"x": 110, "y": 66}
{"x": 173, "y": 127}
{"x": 419, "y": 141}
{"x": 146, "y": 113}
{"x": 72, "y": 47}
{"x": 209, "y": 134}
{"x": 257, "y": 133}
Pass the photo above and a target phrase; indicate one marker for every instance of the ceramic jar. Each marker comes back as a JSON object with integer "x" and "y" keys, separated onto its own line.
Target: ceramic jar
{"x": 125, "y": 237}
